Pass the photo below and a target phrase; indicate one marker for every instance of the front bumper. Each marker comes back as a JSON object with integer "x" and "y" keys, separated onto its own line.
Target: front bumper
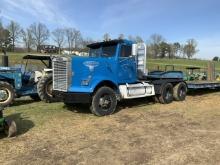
{"x": 72, "y": 97}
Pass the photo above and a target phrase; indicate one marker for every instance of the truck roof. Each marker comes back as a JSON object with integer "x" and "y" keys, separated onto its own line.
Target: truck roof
{"x": 111, "y": 42}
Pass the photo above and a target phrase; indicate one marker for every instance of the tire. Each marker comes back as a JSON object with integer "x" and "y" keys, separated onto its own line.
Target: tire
{"x": 179, "y": 91}
{"x": 166, "y": 95}
{"x": 44, "y": 89}
{"x": 156, "y": 99}
{"x": 35, "y": 97}
{"x": 104, "y": 102}
{"x": 7, "y": 94}
{"x": 10, "y": 128}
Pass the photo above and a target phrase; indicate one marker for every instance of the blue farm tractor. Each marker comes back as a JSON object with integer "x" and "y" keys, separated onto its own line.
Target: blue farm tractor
{"x": 33, "y": 78}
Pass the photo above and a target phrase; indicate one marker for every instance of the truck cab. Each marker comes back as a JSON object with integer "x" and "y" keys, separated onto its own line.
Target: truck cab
{"x": 114, "y": 70}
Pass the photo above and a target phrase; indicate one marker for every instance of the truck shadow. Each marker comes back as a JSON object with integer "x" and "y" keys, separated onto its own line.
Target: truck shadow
{"x": 19, "y": 102}
{"x": 132, "y": 103}
{"x": 23, "y": 124}
{"x": 199, "y": 92}
{"x": 138, "y": 102}
{"x": 78, "y": 108}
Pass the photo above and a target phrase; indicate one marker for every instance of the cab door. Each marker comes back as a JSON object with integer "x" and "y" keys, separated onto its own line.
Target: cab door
{"x": 126, "y": 65}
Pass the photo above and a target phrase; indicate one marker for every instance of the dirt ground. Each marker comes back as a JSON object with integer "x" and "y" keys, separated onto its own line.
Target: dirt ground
{"x": 141, "y": 132}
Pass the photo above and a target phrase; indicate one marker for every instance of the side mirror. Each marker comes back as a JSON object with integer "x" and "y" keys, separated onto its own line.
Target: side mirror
{"x": 134, "y": 49}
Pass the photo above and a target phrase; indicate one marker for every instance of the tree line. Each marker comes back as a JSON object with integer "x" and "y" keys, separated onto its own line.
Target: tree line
{"x": 158, "y": 47}
{"x": 38, "y": 34}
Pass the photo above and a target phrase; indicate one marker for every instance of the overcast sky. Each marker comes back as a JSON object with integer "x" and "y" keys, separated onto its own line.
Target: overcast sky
{"x": 176, "y": 20}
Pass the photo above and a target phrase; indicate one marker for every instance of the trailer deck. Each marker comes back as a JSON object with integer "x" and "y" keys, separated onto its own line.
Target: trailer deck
{"x": 203, "y": 84}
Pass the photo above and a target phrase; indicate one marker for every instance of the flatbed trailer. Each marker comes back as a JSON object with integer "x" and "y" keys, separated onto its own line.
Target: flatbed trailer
{"x": 203, "y": 84}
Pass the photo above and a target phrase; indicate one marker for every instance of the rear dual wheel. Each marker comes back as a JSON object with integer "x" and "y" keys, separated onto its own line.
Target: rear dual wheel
{"x": 170, "y": 93}
{"x": 180, "y": 91}
{"x": 166, "y": 95}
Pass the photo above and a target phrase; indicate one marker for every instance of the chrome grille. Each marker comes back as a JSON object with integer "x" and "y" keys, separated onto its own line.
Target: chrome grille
{"x": 61, "y": 73}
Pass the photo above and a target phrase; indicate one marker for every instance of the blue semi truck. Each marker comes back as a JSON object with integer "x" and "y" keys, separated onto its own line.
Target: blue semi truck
{"x": 115, "y": 70}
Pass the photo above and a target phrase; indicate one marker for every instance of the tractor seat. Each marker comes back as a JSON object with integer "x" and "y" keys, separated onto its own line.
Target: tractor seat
{"x": 31, "y": 77}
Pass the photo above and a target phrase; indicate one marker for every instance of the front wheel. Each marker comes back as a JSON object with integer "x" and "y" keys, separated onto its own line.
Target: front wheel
{"x": 7, "y": 94}
{"x": 104, "y": 102}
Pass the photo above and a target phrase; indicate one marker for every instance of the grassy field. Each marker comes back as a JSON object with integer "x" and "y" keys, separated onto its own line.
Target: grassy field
{"x": 179, "y": 64}
{"x": 140, "y": 132}
{"x": 152, "y": 64}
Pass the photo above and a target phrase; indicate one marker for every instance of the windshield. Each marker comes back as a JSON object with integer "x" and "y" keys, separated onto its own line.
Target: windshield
{"x": 94, "y": 52}
{"x": 105, "y": 51}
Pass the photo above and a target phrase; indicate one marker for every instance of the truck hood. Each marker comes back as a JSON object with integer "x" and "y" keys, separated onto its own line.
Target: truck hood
{"x": 85, "y": 64}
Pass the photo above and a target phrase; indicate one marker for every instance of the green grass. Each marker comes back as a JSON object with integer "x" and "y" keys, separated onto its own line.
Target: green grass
{"x": 179, "y": 64}
{"x": 152, "y": 64}
{"x": 15, "y": 58}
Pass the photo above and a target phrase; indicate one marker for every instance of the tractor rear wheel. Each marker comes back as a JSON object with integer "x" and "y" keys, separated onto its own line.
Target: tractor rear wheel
{"x": 44, "y": 89}
{"x": 7, "y": 94}
{"x": 104, "y": 102}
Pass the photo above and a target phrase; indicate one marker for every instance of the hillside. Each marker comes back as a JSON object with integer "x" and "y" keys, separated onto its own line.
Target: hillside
{"x": 179, "y": 64}
{"x": 152, "y": 64}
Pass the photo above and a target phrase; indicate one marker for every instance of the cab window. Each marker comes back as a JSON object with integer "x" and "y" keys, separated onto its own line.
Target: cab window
{"x": 109, "y": 51}
{"x": 125, "y": 51}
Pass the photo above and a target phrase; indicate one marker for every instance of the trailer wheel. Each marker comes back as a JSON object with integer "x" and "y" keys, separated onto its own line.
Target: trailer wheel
{"x": 104, "y": 102}
{"x": 7, "y": 94}
{"x": 44, "y": 89}
{"x": 180, "y": 91}
{"x": 166, "y": 95}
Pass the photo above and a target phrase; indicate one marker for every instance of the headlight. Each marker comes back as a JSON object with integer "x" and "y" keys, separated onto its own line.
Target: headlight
{"x": 86, "y": 82}
{"x": 149, "y": 90}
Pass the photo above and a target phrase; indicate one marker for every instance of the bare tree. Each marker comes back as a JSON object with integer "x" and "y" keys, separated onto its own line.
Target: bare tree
{"x": 15, "y": 31}
{"x": 5, "y": 39}
{"x": 176, "y": 49}
{"x": 87, "y": 41}
{"x": 69, "y": 37}
{"x": 130, "y": 37}
{"x": 190, "y": 48}
{"x": 58, "y": 37}
{"x": 77, "y": 39}
{"x": 74, "y": 38}
{"x": 155, "y": 41}
{"x": 27, "y": 38}
{"x": 121, "y": 36}
{"x": 40, "y": 34}
{"x": 138, "y": 39}
{"x": 106, "y": 37}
